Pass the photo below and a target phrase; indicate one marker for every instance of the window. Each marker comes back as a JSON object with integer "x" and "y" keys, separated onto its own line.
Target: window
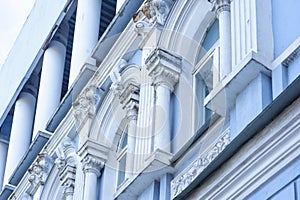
{"x": 206, "y": 73}
{"x": 122, "y": 156}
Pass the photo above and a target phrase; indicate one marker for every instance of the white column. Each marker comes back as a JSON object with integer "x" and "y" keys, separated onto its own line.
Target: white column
{"x": 222, "y": 8}
{"x": 3, "y": 155}
{"x": 91, "y": 169}
{"x": 20, "y": 136}
{"x": 51, "y": 79}
{"x": 85, "y": 35}
{"x": 162, "y": 135}
{"x": 164, "y": 69}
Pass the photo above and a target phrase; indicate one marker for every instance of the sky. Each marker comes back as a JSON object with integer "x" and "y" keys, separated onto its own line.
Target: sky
{"x": 13, "y": 14}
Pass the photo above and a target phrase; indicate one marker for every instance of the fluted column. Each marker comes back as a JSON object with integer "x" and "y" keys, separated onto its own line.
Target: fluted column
{"x": 91, "y": 168}
{"x": 51, "y": 78}
{"x": 222, "y": 9}
{"x": 164, "y": 70}
{"x": 21, "y": 130}
{"x": 85, "y": 35}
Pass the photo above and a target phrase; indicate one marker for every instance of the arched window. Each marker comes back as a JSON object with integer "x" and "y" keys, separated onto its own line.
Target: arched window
{"x": 206, "y": 73}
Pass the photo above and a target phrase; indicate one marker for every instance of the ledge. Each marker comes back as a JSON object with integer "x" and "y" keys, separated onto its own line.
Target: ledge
{"x": 222, "y": 98}
{"x": 158, "y": 164}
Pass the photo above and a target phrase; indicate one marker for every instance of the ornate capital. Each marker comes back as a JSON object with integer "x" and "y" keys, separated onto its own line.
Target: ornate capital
{"x": 164, "y": 68}
{"x": 39, "y": 172}
{"x": 93, "y": 156}
{"x": 86, "y": 103}
{"x": 220, "y": 5}
{"x": 153, "y": 11}
{"x": 184, "y": 179}
{"x": 90, "y": 164}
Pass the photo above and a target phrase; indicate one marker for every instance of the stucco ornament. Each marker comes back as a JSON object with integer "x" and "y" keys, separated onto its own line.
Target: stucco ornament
{"x": 86, "y": 103}
{"x": 152, "y": 11}
{"x": 184, "y": 179}
{"x": 39, "y": 172}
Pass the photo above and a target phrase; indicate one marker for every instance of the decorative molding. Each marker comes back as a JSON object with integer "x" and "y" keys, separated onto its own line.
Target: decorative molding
{"x": 184, "y": 179}
{"x": 153, "y": 11}
{"x": 86, "y": 103}
{"x": 220, "y": 6}
{"x": 38, "y": 172}
{"x": 164, "y": 68}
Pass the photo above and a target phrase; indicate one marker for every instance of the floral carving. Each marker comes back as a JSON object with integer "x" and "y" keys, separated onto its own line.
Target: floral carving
{"x": 179, "y": 183}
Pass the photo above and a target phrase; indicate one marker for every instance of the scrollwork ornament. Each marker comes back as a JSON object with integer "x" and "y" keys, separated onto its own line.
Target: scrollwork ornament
{"x": 179, "y": 183}
{"x": 91, "y": 164}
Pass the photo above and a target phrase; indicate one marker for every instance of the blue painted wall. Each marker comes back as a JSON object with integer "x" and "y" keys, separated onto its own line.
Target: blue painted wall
{"x": 285, "y": 16}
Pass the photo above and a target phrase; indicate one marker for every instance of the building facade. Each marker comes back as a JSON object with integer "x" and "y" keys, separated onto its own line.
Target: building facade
{"x": 154, "y": 99}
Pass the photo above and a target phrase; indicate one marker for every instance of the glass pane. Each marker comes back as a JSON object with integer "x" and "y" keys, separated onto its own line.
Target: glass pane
{"x": 122, "y": 168}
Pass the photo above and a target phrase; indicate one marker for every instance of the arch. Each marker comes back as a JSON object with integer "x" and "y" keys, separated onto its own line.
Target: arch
{"x": 188, "y": 36}
{"x": 110, "y": 113}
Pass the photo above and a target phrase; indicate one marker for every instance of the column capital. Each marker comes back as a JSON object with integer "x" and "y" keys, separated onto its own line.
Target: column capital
{"x": 91, "y": 164}
{"x": 220, "y": 5}
{"x": 93, "y": 156}
{"x": 164, "y": 68}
